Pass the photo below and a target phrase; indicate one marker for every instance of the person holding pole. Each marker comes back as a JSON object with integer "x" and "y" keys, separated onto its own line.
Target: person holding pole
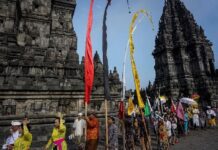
{"x": 25, "y": 139}
{"x": 57, "y": 140}
{"x": 15, "y": 126}
{"x": 92, "y": 133}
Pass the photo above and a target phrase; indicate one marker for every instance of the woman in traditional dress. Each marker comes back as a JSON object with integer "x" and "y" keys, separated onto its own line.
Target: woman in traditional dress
{"x": 186, "y": 122}
{"x": 25, "y": 140}
{"x": 174, "y": 128}
{"x": 163, "y": 136}
{"x": 211, "y": 115}
{"x": 57, "y": 140}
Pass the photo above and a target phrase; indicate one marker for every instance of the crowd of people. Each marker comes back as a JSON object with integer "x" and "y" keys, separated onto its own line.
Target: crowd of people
{"x": 85, "y": 134}
{"x": 168, "y": 125}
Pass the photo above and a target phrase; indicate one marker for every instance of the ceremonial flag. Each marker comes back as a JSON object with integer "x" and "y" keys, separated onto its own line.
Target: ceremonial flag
{"x": 149, "y": 104}
{"x": 156, "y": 104}
{"x": 134, "y": 70}
{"x": 131, "y": 107}
{"x": 131, "y": 45}
{"x": 180, "y": 111}
{"x": 147, "y": 108}
{"x": 173, "y": 107}
{"x": 105, "y": 60}
{"x": 89, "y": 66}
{"x": 121, "y": 110}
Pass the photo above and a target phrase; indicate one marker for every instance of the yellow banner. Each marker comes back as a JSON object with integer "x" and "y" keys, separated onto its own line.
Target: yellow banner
{"x": 131, "y": 106}
{"x": 132, "y": 49}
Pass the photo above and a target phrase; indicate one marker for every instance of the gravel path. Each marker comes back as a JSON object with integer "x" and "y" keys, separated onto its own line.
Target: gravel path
{"x": 198, "y": 140}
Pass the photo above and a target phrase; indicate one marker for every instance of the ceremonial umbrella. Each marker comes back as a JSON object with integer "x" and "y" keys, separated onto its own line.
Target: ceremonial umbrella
{"x": 188, "y": 101}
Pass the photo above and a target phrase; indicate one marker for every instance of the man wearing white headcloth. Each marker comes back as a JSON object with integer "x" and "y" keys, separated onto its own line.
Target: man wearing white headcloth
{"x": 15, "y": 126}
{"x": 79, "y": 126}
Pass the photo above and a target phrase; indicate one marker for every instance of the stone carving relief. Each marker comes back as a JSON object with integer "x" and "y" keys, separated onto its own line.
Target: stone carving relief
{"x": 28, "y": 106}
{"x": 9, "y": 107}
{"x": 50, "y": 55}
{"x": 42, "y": 7}
{"x": 40, "y": 106}
{"x": 115, "y": 75}
{"x": 186, "y": 67}
{"x": 61, "y": 20}
{"x": 59, "y": 59}
{"x": 73, "y": 106}
{"x": 25, "y": 70}
{"x": 39, "y": 7}
{"x": 51, "y": 72}
{"x": 33, "y": 33}
{"x": 53, "y": 106}
{"x": 63, "y": 44}
{"x": 7, "y": 11}
{"x": 64, "y": 104}
{"x": 97, "y": 106}
{"x": 12, "y": 71}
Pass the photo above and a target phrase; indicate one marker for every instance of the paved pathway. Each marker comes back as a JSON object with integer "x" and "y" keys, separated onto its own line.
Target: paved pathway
{"x": 198, "y": 140}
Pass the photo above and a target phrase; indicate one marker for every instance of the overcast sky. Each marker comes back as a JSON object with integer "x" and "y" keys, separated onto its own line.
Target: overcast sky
{"x": 204, "y": 11}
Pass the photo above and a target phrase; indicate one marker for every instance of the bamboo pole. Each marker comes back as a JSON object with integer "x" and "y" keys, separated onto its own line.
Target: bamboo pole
{"x": 86, "y": 110}
{"x": 124, "y": 133}
{"x": 148, "y": 143}
{"x": 106, "y": 125}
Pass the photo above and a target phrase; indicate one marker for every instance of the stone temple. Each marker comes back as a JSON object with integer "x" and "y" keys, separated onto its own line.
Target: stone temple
{"x": 184, "y": 59}
{"x": 40, "y": 72}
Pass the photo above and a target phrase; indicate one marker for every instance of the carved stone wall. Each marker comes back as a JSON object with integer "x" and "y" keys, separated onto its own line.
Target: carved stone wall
{"x": 184, "y": 59}
{"x": 40, "y": 72}
{"x": 40, "y": 51}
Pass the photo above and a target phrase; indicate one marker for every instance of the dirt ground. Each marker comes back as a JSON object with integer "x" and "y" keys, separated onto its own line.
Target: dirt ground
{"x": 198, "y": 140}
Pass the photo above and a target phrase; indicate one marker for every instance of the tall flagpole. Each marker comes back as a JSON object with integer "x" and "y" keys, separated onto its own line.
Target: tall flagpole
{"x": 106, "y": 123}
{"x": 88, "y": 64}
{"x": 124, "y": 85}
{"x": 86, "y": 110}
{"x": 146, "y": 131}
{"x": 123, "y": 96}
{"x": 148, "y": 135}
{"x": 105, "y": 68}
{"x": 135, "y": 73}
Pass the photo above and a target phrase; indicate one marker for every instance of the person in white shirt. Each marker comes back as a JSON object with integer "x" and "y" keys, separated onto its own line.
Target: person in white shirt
{"x": 196, "y": 117}
{"x": 168, "y": 126}
{"x": 79, "y": 126}
{"x": 15, "y": 126}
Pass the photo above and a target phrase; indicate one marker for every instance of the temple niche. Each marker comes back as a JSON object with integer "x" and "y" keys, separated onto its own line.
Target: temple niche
{"x": 184, "y": 59}
{"x": 40, "y": 71}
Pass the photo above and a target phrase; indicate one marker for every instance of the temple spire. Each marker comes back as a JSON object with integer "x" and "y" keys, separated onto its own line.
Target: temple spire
{"x": 183, "y": 54}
